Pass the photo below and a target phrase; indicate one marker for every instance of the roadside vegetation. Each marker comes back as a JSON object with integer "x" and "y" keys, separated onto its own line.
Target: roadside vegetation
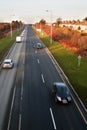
{"x": 6, "y": 43}
{"x": 66, "y": 54}
{"x": 6, "y": 40}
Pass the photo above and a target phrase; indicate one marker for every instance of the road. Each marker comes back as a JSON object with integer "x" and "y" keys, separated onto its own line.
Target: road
{"x": 32, "y": 105}
{"x": 7, "y": 79}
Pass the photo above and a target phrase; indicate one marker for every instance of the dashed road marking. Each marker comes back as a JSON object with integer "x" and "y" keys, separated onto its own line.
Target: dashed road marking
{"x": 54, "y": 124}
{"x": 19, "y": 128}
{"x": 36, "y": 51}
{"x": 38, "y": 61}
{"x": 42, "y": 78}
{"x": 11, "y": 109}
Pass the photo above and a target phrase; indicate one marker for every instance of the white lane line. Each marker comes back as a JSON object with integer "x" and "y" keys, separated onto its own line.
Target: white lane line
{"x": 19, "y": 128}
{"x": 79, "y": 110}
{"x": 20, "y": 115}
{"x": 22, "y": 85}
{"x": 38, "y": 61}
{"x": 11, "y": 109}
{"x": 53, "y": 119}
{"x": 36, "y": 51}
{"x": 42, "y": 78}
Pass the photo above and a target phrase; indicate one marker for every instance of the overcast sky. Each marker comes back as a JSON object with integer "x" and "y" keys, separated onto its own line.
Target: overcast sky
{"x": 34, "y": 10}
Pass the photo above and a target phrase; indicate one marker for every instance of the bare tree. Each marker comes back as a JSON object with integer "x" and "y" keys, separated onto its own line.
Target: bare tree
{"x": 59, "y": 21}
{"x": 42, "y": 22}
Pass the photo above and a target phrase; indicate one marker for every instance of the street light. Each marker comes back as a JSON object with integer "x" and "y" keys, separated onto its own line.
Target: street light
{"x": 11, "y": 29}
{"x": 50, "y": 25}
{"x": 11, "y": 26}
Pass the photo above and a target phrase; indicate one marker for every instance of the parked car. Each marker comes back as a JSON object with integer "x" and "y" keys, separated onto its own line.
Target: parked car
{"x": 61, "y": 92}
{"x": 7, "y": 63}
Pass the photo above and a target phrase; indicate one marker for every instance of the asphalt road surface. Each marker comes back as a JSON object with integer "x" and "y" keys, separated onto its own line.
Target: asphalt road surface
{"x": 33, "y": 107}
{"x": 7, "y": 81}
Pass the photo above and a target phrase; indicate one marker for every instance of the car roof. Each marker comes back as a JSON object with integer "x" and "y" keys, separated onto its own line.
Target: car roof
{"x": 7, "y": 60}
{"x": 60, "y": 84}
{"x": 61, "y": 89}
{"x": 39, "y": 43}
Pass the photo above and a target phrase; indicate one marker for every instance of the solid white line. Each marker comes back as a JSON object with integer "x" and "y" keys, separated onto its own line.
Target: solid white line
{"x": 42, "y": 78}
{"x": 22, "y": 84}
{"x": 79, "y": 109}
{"x": 11, "y": 108}
{"x": 53, "y": 119}
{"x": 19, "y": 128}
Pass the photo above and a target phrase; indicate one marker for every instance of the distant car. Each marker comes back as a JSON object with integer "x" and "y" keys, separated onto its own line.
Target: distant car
{"x": 39, "y": 46}
{"x": 8, "y": 63}
{"x": 61, "y": 92}
{"x": 18, "y": 39}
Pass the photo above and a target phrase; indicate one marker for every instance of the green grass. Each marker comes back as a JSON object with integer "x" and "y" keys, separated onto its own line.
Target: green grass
{"x": 6, "y": 42}
{"x": 69, "y": 63}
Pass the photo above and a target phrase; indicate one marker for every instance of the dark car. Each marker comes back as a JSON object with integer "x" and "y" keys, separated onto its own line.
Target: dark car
{"x": 61, "y": 92}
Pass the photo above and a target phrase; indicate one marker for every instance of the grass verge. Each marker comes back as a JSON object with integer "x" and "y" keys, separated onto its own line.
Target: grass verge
{"x": 6, "y": 43}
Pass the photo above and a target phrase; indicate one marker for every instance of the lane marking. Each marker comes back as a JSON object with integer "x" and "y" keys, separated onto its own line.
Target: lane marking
{"x": 36, "y": 51}
{"x": 79, "y": 110}
{"x": 22, "y": 84}
{"x": 21, "y": 98}
{"x": 38, "y": 61}
{"x": 19, "y": 128}
{"x": 11, "y": 109}
{"x": 53, "y": 119}
{"x": 42, "y": 78}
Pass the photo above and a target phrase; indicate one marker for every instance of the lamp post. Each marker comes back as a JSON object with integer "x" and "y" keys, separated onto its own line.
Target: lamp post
{"x": 50, "y": 25}
{"x": 11, "y": 29}
{"x": 11, "y": 26}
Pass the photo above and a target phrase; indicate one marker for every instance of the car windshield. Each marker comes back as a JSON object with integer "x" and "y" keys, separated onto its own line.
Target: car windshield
{"x": 63, "y": 91}
{"x": 7, "y": 62}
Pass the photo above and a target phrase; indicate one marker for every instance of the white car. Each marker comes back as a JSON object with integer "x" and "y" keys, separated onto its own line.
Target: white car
{"x": 8, "y": 63}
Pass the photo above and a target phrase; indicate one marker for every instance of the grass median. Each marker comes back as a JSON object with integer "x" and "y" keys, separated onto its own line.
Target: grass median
{"x": 77, "y": 74}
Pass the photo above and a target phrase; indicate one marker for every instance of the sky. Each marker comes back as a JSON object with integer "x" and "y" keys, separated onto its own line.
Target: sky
{"x": 31, "y": 11}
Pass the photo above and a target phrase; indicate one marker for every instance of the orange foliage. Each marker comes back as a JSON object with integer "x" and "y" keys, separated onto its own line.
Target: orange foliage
{"x": 70, "y": 39}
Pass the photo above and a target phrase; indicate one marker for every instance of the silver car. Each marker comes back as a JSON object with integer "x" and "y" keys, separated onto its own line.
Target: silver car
{"x": 39, "y": 46}
{"x": 7, "y": 63}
